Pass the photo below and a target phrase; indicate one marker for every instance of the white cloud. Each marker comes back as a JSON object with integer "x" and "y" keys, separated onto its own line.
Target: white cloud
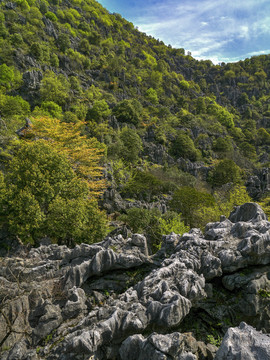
{"x": 244, "y": 32}
{"x": 217, "y": 30}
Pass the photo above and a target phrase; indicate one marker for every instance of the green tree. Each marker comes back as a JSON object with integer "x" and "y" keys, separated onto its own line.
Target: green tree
{"x": 200, "y": 106}
{"x": 184, "y": 85}
{"x": 99, "y": 111}
{"x": 131, "y": 145}
{"x": 128, "y": 111}
{"x": 143, "y": 185}
{"x": 263, "y": 137}
{"x": 151, "y": 95}
{"x": 63, "y": 42}
{"x": 248, "y": 150}
{"x": 50, "y": 108}
{"x": 44, "y": 197}
{"x": 54, "y": 60}
{"x": 183, "y": 146}
{"x": 6, "y": 75}
{"x": 225, "y": 203}
{"x": 222, "y": 114}
{"x": 75, "y": 220}
{"x": 54, "y": 88}
{"x": 13, "y": 105}
{"x": 172, "y": 222}
{"x": 50, "y": 15}
{"x": 226, "y": 171}
{"x": 223, "y": 146}
{"x": 187, "y": 200}
{"x": 265, "y": 204}
{"x": 36, "y": 51}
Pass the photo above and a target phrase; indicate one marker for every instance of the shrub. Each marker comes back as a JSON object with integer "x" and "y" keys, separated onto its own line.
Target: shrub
{"x": 6, "y": 74}
{"x": 131, "y": 145}
{"x": 226, "y": 171}
{"x": 223, "y": 146}
{"x": 14, "y": 105}
{"x": 187, "y": 200}
{"x": 151, "y": 95}
{"x": 143, "y": 185}
{"x": 50, "y": 15}
{"x": 184, "y": 85}
{"x": 99, "y": 111}
{"x": 183, "y": 146}
{"x": 54, "y": 88}
{"x": 153, "y": 224}
{"x": 128, "y": 111}
{"x": 50, "y": 108}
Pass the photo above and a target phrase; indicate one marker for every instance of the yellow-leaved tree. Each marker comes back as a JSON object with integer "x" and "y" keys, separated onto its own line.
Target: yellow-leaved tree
{"x": 52, "y": 185}
{"x": 83, "y": 153}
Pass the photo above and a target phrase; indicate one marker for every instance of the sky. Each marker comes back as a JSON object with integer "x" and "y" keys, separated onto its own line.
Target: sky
{"x": 218, "y": 30}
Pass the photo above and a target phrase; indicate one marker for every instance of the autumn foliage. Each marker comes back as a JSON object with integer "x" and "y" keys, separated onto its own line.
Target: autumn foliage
{"x": 84, "y": 154}
{"x": 52, "y": 185}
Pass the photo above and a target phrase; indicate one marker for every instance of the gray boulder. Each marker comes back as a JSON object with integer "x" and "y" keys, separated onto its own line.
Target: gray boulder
{"x": 247, "y": 212}
{"x": 244, "y": 343}
{"x": 174, "y": 346}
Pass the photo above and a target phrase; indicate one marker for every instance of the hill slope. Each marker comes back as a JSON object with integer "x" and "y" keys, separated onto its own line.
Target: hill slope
{"x": 169, "y": 123}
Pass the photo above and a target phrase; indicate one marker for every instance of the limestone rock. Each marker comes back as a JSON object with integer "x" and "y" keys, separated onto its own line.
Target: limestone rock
{"x": 77, "y": 303}
{"x": 244, "y": 343}
{"x": 247, "y": 212}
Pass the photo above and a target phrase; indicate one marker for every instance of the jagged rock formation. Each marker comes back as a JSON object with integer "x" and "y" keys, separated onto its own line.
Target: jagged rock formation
{"x": 259, "y": 184}
{"x": 111, "y": 300}
{"x": 244, "y": 343}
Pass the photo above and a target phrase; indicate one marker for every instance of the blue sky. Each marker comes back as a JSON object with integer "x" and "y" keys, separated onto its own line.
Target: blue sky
{"x": 219, "y": 30}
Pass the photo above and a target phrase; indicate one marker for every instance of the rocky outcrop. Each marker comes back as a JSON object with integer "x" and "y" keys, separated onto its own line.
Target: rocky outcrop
{"x": 163, "y": 347}
{"x": 32, "y": 80}
{"x": 197, "y": 169}
{"x": 258, "y": 184}
{"x": 111, "y": 300}
{"x": 244, "y": 342}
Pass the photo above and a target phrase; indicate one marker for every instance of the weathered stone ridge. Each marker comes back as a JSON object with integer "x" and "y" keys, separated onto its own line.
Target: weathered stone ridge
{"x": 111, "y": 300}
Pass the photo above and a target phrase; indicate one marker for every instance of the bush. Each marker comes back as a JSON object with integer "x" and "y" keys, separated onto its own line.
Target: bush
{"x": 54, "y": 88}
{"x": 128, "y": 111}
{"x": 226, "y": 171}
{"x": 265, "y": 204}
{"x": 6, "y": 75}
{"x": 153, "y": 224}
{"x": 151, "y": 95}
{"x": 184, "y": 85}
{"x": 36, "y": 51}
{"x": 143, "y": 185}
{"x": 263, "y": 137}
{"x": 248, "y": 150}
{"x": 187, "y": 200}
{"x": 131, "y": 145}
{"x": 183, "y": 146}
{"x": 50, "y": 108}
{"x": 226, "y": 200}
{"x": 99, "y": 111}
{"x": 223, "y": 115}
{"x": 172, "y": 222}
{"x": 223, "y": 146}
{"x": 13, "y": 105}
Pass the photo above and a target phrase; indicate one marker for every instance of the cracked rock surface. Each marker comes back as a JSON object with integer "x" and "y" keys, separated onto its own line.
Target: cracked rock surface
{"x": 111, "y": 300}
